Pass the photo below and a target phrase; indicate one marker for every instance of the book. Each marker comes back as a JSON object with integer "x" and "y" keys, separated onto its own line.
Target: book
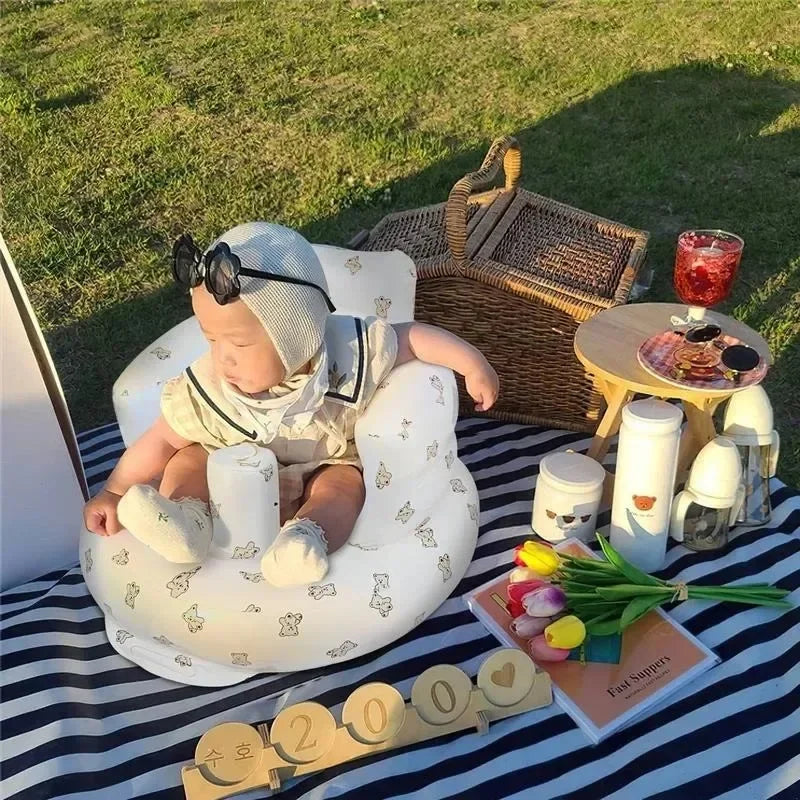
{"x": 609, "y": 681}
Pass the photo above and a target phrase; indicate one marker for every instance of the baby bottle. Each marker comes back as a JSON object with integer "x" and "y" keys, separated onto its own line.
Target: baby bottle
{"x": 647, "y": 460}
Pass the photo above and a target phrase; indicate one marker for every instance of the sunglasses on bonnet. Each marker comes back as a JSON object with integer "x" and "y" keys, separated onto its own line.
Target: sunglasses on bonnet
{"x": 220, "y": 269}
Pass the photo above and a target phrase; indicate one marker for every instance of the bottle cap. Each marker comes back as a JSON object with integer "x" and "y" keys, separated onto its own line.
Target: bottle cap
{"x": 652, "y": 416}
{"x": 716, "y": 474}
{"x": 748, "y": 417}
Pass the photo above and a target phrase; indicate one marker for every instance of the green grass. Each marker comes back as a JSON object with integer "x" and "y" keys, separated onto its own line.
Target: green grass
{"x": 124, "y": 124}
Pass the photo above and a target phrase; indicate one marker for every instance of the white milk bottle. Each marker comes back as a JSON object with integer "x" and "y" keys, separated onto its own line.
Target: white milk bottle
{"x": 647, "y": 460}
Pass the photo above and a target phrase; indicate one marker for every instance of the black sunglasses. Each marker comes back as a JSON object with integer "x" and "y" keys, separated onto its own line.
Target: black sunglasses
{"x": 220, "y": 270}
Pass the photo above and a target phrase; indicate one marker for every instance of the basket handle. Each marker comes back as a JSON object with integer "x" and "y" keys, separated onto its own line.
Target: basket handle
{"x": 505, "y": 153}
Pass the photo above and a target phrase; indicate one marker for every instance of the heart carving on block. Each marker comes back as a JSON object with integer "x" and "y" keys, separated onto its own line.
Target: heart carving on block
{"x": 505, "y": 676}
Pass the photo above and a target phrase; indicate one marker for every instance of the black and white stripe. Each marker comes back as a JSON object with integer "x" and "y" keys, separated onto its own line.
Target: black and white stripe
{"x": 79, "y": 721}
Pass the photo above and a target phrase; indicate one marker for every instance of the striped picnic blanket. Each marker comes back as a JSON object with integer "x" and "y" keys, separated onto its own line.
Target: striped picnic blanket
{"x": 79, "y": 721}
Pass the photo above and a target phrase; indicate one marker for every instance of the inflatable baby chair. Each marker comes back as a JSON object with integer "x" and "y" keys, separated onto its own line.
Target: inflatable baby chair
{"x": 218, "y": 622}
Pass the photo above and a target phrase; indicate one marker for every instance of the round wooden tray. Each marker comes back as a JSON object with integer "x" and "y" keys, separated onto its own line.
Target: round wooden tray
{"x": 669, "y": 357}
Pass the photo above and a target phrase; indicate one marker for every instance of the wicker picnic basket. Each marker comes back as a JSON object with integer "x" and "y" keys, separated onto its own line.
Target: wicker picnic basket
{"x": 515, "y": 273}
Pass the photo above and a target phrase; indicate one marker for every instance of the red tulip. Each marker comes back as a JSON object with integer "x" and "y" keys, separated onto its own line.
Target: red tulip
{"x": 516, "y": 591}
{"x": 515, "y": 608}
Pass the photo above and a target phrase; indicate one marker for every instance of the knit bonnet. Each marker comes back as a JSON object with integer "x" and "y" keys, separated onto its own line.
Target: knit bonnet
{"x": 293, "y": 316}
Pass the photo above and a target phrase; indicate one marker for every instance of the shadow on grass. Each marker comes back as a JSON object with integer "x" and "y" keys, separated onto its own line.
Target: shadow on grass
{"x": 90, "y": 354}
{"x": 68, "y": 100}
{"x": 693, "y": 146}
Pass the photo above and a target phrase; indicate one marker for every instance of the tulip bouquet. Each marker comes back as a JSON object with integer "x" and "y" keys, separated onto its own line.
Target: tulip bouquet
{"x": 555, "y": 599}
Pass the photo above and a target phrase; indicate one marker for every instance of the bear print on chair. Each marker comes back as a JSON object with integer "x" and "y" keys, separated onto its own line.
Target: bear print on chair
{"x": 249, "y": 551}
{"x": 343, "y": 649}
{"x": 180, "y": 583}
{"x": 192, "y": 619}
{"x": 383, "y": 477}
{"x": 382, "y": 306}
{"x": 405, "y": 424}
{"x": 424, "y": 534}
{"x": 437, "y": 384}
{"x": 405, "y": 513}
{"x": 161, "y": 353}
{"x": 253, "y": 577}
{"x": 353, "y": 265}
{"x": 325, "y": 590}
{"x": 131, "y": 593}
{"x": 290, "y": 623}
{"x": 383, "y": 605}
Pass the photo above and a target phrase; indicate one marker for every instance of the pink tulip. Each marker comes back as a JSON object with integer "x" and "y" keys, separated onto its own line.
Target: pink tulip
{"x": 526, "y": 627}
{"x": 516, "y": 591}
{"x": 545, "y": 601}
{"x": 541, "y": 651}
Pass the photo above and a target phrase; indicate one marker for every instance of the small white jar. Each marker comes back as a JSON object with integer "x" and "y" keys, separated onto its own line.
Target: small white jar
{"x": 567, "y": 497}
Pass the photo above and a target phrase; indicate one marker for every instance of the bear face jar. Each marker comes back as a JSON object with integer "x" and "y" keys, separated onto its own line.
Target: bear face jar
{"x": 567, "y": 497}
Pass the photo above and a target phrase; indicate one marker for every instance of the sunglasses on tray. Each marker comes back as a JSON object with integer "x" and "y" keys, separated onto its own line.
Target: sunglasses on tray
{"x": 220, "y": 269}
{"x": 737, "y": 359}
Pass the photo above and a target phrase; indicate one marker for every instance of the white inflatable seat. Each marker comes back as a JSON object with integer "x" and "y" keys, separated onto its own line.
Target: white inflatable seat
{"x": 219, "y": 622}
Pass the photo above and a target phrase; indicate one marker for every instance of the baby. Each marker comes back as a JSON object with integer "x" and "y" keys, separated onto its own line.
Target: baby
{"x": 261, "y": 298}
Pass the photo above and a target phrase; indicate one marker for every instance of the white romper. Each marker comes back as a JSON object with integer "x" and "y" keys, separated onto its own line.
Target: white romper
{"x": 307, "y": 421}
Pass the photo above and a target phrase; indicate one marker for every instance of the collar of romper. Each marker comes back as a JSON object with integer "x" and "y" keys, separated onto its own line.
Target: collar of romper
{"x": 294, "y": 400}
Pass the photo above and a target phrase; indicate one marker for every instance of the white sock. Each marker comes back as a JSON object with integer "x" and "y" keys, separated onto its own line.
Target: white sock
{"x": 178, "y": 530}
{"x": 298, "y": 556}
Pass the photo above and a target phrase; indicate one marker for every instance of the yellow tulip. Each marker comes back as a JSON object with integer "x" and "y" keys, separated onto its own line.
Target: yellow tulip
{"x": 537, "y": 557}
{"x": 565, "y": 633}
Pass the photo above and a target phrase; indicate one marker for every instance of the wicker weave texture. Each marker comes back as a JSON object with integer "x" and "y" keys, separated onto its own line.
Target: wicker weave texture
{"x": 567, "y": 250}
{"x": 541, "y": 381}
{"x": 420, "y": 234}
{"x": 514, "y": 274}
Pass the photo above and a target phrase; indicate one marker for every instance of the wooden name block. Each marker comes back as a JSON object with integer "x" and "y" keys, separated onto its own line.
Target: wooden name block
{"x": 235, "y": 757}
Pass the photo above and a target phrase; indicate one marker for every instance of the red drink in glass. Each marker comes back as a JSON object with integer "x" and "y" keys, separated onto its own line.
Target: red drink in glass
{"x": 706, "y": 263}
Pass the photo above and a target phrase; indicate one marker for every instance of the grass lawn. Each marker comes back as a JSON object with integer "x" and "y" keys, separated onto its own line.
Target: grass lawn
{"x": 123, "y": 124}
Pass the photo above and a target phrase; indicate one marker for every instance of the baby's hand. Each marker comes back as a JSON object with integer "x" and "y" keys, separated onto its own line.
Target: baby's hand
{"x": 100, "y": 514}
{"x": 483, "y": 385}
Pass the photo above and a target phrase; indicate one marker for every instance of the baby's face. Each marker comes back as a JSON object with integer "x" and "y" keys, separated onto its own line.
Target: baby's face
{"x": 242, "y": 352}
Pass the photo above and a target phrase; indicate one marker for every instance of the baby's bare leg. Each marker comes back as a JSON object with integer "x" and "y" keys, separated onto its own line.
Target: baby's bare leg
{"x": 185, "y": 474}
{"x": 333, "y": 498}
